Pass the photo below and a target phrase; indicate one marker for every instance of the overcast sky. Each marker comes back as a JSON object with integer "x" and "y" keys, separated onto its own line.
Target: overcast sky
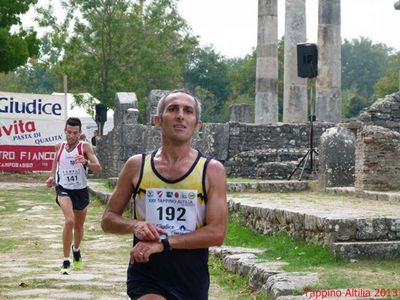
{"x": 231, "y": 25}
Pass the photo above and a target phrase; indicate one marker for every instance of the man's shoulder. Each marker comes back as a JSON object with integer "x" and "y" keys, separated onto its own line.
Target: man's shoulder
{"x": 215, "y": 164}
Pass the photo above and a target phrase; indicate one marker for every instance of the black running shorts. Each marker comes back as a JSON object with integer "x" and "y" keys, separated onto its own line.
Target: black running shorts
{"x": 79, "y": 198}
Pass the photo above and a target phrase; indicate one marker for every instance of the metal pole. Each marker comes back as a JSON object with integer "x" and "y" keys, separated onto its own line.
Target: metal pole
{"x": 66, "y": 95}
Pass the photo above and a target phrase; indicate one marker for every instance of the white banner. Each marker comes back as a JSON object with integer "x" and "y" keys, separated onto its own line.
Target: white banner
{"x": 30, "y": 126}
{"x": 31, "y": 119}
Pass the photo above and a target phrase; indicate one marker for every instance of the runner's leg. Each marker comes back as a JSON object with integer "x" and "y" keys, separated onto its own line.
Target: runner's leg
{"x": 80, "y": 216}
{"x": 66, "y": 207}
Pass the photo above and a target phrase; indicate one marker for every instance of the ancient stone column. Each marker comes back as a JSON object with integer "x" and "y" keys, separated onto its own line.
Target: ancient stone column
{"x": 295, "y": 88}
{"x": 266, "y": 109}
{"x": 328, "y": 88}
{"x": 240, "y": 113}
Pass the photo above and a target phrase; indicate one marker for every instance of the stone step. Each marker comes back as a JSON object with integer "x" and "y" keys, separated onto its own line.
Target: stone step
{"x": 270, "y": 186}
{"x": 269, "y": 163}
{"x": 267, "y": 186}
{"x": 266, "y": 276}
{"x": 321, "y": 223}
{"x": 374, "y": 195}
{"x": 375, "y": 249}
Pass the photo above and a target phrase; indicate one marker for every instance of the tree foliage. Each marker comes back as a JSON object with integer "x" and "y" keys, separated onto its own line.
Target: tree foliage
{"x": 118, "y": 45}
{"x": 206, "y": 74}
{"x": 363, "y": 63}
{"x": 15, "y": 48}
{"x": 390, "y": 81}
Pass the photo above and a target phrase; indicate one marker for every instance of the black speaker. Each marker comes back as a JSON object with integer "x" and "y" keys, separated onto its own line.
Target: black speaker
{"x": 307, "y": 60}
{"x": 101, "y": 113}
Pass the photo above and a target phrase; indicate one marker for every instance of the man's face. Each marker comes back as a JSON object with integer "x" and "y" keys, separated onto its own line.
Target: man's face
{"x": 178, "y": 121}
{"x": 72, "y": 134}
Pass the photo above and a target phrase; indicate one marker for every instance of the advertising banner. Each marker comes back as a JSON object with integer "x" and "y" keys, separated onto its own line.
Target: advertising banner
{"x": 30, "y": 126}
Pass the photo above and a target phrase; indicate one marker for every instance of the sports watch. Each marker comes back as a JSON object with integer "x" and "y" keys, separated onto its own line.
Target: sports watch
{"x": 165, "y": 242}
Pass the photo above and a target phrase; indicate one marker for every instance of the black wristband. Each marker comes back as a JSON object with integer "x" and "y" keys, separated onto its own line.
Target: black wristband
{"x": 165, "y": 242}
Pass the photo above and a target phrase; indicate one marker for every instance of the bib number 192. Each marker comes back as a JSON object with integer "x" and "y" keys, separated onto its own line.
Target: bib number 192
{"x": 171, "y": 213}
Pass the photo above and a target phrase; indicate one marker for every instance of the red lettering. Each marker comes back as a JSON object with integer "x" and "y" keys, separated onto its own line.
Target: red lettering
{"x": 18, "y": 127}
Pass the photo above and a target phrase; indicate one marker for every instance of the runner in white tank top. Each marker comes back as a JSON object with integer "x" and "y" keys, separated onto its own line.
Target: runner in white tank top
{"x": 70, "y": 174}
{"x": 73, "y": 158}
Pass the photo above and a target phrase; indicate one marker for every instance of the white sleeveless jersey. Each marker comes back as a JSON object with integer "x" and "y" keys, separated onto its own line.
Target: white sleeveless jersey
{"x": 70, "y": 174}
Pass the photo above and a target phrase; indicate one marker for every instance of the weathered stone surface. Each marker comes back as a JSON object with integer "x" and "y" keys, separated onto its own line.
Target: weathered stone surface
{"x": 272, "y": 186}
{"x": 328, "y": 104}
{"x": 266, "y": 106}
{"x": 154, "y": 97}
{"x": 239, "y": 263}
{"x": 376, "y": 249}
{"x": 283, "y": 284}
{"x": 260, "y": 272}
{"x": 243, "y": 113}
{"x": 384, "y": 112}
{"x": 124, "y": 103}
{"x": 213, "y": 139}
{"x": 377, "y": 159}
{"x": 342, "y": 224}
{"x": 336, "y": 157}
{"x": 295, "y": 88}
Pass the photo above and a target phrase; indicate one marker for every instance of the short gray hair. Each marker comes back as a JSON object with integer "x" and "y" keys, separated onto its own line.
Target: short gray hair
{"x": 161, "y": 104}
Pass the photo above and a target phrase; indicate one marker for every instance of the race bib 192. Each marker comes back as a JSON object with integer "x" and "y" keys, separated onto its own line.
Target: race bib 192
{"x": 172, "y": 210}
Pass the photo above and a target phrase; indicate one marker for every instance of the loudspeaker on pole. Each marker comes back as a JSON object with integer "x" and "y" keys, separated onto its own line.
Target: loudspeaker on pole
{"x": 307, "y": 60}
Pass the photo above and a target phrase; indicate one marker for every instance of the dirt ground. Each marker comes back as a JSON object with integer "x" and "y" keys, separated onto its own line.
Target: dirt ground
{"x": 30, "y": 229}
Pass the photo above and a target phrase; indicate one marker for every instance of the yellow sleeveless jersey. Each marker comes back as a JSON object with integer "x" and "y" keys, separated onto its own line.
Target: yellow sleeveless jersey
{"x": 178, "y": 206}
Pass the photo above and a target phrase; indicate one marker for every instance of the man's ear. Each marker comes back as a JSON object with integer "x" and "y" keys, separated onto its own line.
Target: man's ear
{"x": 199, "y": 125}
{"x": 157, "y": 121}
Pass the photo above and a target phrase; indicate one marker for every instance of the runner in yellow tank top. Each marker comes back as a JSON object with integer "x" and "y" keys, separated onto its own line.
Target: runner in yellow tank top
{"x": 172, "y": 266}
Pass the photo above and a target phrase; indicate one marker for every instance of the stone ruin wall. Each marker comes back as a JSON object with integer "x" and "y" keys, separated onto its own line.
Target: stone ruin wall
{"x": 377, "y": 165}
{"x": 269, "y": 151}
{"x": 246, "y": 149}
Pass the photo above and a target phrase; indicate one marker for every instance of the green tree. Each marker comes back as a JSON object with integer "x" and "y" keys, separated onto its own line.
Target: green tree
{"x": 353, "y": 103}
{"x": 119, "y": 45}
{"x": 207, "y": 71}
{"x": 390, "y": 81}
{"x": 242, "y": 79}
{"x": 15, "y": 48}
{"x": 363, "y": 63}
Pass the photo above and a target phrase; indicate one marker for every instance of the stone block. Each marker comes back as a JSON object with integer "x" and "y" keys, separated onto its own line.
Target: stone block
{"x": 336, "y": 157}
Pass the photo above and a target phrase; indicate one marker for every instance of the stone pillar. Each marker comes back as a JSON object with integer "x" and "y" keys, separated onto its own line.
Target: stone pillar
{"x": 240, "y": 113}
{"x": 295, "y": 88}
{"x": 266, "y": 109}
{"x": 328, "y": 88}
{"x": 336, "y": 157}
{"x": 126, "y": 111}
{"x": 152, "y": 102}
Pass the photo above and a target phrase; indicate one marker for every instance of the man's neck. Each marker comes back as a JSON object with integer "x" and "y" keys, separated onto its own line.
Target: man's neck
{"x": 71, "y": 146}
{"x": 174, "y": 154}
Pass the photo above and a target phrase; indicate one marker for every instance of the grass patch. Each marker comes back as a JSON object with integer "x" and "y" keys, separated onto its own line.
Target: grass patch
{"x": 104, "y": 182}
{"x": 298, "y": 254}
{"x": 333, "y": 273}
{"x": 7, "y": 245}
{"x": 236, "y": 285}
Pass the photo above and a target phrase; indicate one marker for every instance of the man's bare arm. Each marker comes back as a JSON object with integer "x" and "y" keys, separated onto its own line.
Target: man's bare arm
{"x": 92, "y": 162}
{"x": 50, "y": 180}
{"x": 113, "y": 221}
